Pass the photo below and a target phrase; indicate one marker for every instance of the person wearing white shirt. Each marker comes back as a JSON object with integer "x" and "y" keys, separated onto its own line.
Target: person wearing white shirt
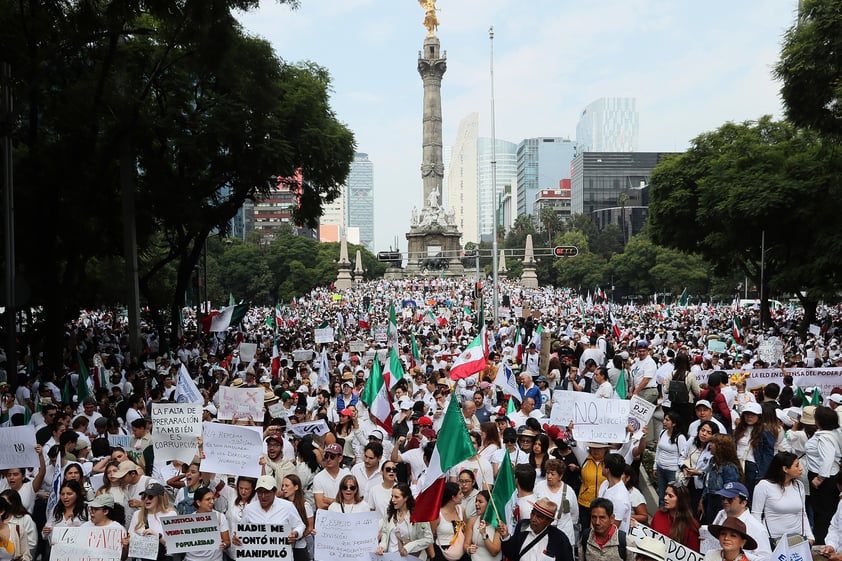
{"x": 614, "y": 490}
{"x": 778, "y": 500}
{"x": 604, "y": 389}
{"x": 269, "y": 509}
{"x": 735, "y": 504}
{"x": 326, "y": 482}
{"x": 367, "y": 472}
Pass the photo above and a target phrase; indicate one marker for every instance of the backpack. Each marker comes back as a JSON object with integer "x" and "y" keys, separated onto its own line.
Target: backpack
{"x": 677, "y": 391}
{"x": 621, "y": 543}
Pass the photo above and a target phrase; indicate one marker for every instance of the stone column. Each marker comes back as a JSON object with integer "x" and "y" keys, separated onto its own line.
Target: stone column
{"x": 432, "y": 66}
{"x": 529, "y": 278}
{"x": 343, "y": 277}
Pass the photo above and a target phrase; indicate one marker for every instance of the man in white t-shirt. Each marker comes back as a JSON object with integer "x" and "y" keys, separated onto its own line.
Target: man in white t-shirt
{"x": 614, "y": 490}
{"x": 326, "y": 482}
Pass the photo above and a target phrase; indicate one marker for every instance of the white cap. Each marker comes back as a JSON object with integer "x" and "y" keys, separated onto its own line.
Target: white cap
{"x": 835, "y": 398}
{"x": 703, "y": 403}
{"x": 752, "y": 407}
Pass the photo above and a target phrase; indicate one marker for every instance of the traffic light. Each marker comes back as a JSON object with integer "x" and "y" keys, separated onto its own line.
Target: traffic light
{"x": 566, "y": 251}
{"x": 389, "y": 256}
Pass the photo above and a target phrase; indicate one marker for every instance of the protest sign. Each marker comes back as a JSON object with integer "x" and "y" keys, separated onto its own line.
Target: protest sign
{"x": 143, "y": 547}
{"x": 18, "y": 450}
{"x": 323, "y": 335}
{"x": 232, "y": 449}
{"x": 392, "y": 556}
{"x": 317, "y": 428}
{"x": 675, "y": 550}
{"x": 247, "y": 351}
{"x": 715, "y": 346}
{"x": 771, "y": 350}
{"x": 187, "y": 532}
{"x": 185, "y": 388}
{"x": 119, "y": 441}
{"x": 594, "y": 419}
{"x": 87, "y": 543}
{"x": 356, "y": 346}
{"x": 825, "y": 378}
{"x": 345, "y": 537}
{"x": 380, "y": 334}
{"x": 264, "y": 541}
{"x": 277, "y": 410}
{"x": 175, "y": 428}
{"x": 792, "y": 547}
{"x": 302, "y": 355}
{"x": 241, "y": 403}
{"x": 640, "y": 411}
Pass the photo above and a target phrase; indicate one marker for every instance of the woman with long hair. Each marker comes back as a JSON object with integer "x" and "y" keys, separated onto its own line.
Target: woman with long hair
{"x": 70, "y": 511}
{"x": 539, "y": 455}
{"x": 638, "y": 502}
{"x": 449, "y": 524}
{"x": 203, "y": 500}
{"x": 490, "y": 440}
{"x": 468, "y": 492}
{"x": 675, "y": 517}
{"x": 755, "y": 445}
{"x": 562, "y": 494}
{"x": 671, "y": 442}
{"x": 822, "y": 462}
{"x": 397, "y": 532}
{"x": 17, "y": 481}
{"x": 308, "y": 465}
{"x": 681, "y": 372}
{"x": 483, "y": 542}
{"x": 245, "y": 494}
{"x": 73, "y": 472}
{"x": 13, "y": 543}
{"x": 724, "y": 468}
{"x": 146, "y": 521}
{"x": 696, "y": 458}
{"x": 779, "y": 498}
{"x": 291, "y": 491}
{"x": 105, "y": 514}
{"x": 18, "y": 515}
{"x": 348, "y": 498}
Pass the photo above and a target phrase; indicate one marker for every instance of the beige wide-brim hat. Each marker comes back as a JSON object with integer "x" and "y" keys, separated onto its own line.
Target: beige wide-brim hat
{"x": 650, "y": 547}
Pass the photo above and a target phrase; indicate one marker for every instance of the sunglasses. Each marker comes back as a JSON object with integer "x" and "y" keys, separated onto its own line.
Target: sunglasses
{"x": 510, "y": 440}
{"x": 390, "y": 470}
{"x": 349, "y": 488}
{"x": 330, "y": 456}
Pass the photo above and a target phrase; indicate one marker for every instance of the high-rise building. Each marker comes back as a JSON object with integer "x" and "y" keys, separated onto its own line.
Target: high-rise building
{"x": 462, "y": 179}
{"x": 275, "y": 210}
{"x": 541, "y": 163}
{"x": 609, "y": 124}
{"x": 359, "y": 193}
{"x": 614, "y": 181}
{"x": 332, "y": 221}
{"x": 488, "y": 197}
{"x": 556, "y": 201}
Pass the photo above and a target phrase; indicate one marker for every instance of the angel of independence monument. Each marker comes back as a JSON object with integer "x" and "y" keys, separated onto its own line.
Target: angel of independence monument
{"x": 433, "y": 237}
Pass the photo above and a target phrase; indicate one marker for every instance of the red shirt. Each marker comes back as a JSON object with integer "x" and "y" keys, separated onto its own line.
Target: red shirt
{"x": 662, "y": 522}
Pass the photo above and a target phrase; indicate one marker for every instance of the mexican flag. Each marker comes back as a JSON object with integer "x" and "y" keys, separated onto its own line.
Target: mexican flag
{"x": 615, "y": 327}
{"x": 276, "y": 361}
{"x": 227, "y": 317}
{"x": 416, "y": 355}
{"x": 518, "y": 346}
{"x": 471, "y": 361}
{"x": 452, "y": 446}
{"x": 393, "y": 370}
{"x": 737, "y": 331}
{"x": 392, "y": 330}
{"x": 83, "y": 388}
{"x": 377, "y": 398}
{"x": 503, "y": 497}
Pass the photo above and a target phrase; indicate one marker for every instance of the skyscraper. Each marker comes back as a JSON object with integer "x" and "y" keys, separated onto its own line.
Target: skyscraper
{"x": 462, "y": 178}
{"x": 541, "y": 163}
{"x": 609, "y": 124}
{"x": 488, "y": 198}
{"x": 359, "y": 193}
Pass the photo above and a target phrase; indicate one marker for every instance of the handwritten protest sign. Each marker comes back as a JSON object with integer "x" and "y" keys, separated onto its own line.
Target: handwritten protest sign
{"x": 302, "y": 355}
{"x": 675, "y": 550}
{"x": 119, "y": 441}
{"x": 343, "y": 537}
{"x": 264, "y": 541}
{"x": 241, "y": 403}
{"x": 715, "y": 346}
{"x": 18, "y": 449}
{"x": 356, "y": 346}
{"x": 594, "y": 419}
{"x": 87, "y": 543}
{"x": 190, "y": 532}
{"x": 640, "y": 411}
{"x": 380, "y": 334}
{"x": 231, "y": 449}
{"x": 317, "y": 428}
{"x": 175, "y": 427}
{"x": 247, "y": 351}
{"x": 277, "y": 410}
{"x": 323, "y": 335}
{"x": 771, "y": 350}
{"x": 143, "y": 547}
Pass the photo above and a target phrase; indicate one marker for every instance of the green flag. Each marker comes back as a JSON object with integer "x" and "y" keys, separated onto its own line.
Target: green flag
{"x": 621, "y": 384}
{"x": 503, "y": 495}
{"x": 231, "y": 301}
{"x": 83, "y": 390}
{"x": 416, "y": 354}
{"x": 510, "y": 407}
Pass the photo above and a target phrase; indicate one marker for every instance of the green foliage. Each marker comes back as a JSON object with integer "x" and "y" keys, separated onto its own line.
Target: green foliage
{"x": 810, "y": 67}
{"x": 645, "y": 268}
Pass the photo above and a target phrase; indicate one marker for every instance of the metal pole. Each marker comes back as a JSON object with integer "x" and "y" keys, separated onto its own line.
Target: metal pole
{"x": 127, "y": 191}
{"x": 9, "y": 222}
{"x": 493, "y": 184}
{"x": 762, "y": 273}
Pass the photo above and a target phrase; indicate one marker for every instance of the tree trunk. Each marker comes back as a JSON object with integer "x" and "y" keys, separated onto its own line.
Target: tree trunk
{"x": 809, "y": 305}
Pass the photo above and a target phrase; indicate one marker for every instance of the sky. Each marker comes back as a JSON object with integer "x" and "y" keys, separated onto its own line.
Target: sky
{"x": 691, "y": 66}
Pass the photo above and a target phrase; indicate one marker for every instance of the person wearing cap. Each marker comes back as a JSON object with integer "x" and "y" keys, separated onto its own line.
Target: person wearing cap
{"x": 648, "y": 549}
{"x": 823, "y": 454}
{"x": 643, "y": 372}
{"x": 755, "y": 445}
{"x": 537, "y": 539}
{"x": 270, "y": 509}
{"x": 326, "y": 482}
{"x": 347, "y": 398}
{"x": 147, "y": 520}
{"x": 104, "y": 514}
{"x": 704, "y": 412}
{"x": 734, "y": 541}
{"x": 834, "y": 401}
{"x": 516, "y": 455}
{"x": 735, "y": 504}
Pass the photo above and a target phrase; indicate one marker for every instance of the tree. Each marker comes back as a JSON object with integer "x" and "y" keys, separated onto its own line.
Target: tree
{"x": 645, "y": 268}
{"x": 746, "y": 181}
{"x": 585, "y": 270}
{"x": 810, "y": 66}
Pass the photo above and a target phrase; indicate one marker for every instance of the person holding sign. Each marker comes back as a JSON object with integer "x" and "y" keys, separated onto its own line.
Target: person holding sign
{"x": 70, "y": 510}
{"x": 105, "y": 514}
{"x": 147, "y": 520}
{"x": 269, "y": 509}
{"x": 397, "y": 533}
{"x": 203, "y": 499}
{"x": 17, "y": 481}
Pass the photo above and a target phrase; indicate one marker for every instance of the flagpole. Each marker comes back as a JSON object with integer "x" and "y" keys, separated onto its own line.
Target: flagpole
{"x": 493, "y": 185}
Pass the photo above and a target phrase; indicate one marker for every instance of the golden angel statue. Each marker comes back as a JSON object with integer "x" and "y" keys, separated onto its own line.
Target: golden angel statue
{"x": 431, "y": 21}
